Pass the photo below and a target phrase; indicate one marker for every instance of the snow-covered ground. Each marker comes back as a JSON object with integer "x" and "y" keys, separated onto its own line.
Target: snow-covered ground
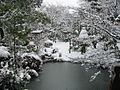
{"x": 92, "y": 55}
{"x": 63, "y": 48}
{"x": 96, "y": 55}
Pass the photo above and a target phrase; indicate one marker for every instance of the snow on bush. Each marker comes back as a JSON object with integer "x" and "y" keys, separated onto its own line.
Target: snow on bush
{"x": 52, "y": 53}
{"x": 4, "y": 52}
{"x": 32, "y": 72}
{"x": 32, "y": 55}
{"x": 31, "y": 43}
{"x": 11, "y": 79}
{"x": 31, "y": 60}
{"x": 48, "y": 43}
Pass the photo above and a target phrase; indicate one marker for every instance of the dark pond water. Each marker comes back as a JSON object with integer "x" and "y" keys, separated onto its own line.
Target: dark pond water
{"x": 68, "y": 76}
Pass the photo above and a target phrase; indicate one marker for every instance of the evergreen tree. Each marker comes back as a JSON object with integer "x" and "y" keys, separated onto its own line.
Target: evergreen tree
{"x": 17, "y": 17}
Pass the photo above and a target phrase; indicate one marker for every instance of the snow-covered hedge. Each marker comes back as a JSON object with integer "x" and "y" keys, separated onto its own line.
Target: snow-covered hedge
{"x": 16, "y": 77}
{"x": 31, "y": 60}
{"x": 11, "y": 80}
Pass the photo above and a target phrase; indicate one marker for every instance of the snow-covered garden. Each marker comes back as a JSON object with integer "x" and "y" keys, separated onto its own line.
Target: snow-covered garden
{"x": 32, "y": 34}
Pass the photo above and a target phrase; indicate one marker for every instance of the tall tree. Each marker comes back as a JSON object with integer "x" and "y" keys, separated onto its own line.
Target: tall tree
{"x": 17, "y": 17}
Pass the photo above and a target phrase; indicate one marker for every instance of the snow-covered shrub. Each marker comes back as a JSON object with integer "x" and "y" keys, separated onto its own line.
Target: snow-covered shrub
{"x": 31, "y": 47}
{"x": 31, "y": 72}
{"x": 109, "y": 45}
{"x": 31, "y": 60}
{"x": 79, "y": 46}
{"x": 4, "y": 56}
{"x": 12, "y": 80}
{"x": 51, "y": 54}
{"x": 4, "y": 52}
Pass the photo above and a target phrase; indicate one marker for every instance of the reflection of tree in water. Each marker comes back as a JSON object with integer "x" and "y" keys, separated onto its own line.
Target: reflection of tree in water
{"x": 115, "y": 81}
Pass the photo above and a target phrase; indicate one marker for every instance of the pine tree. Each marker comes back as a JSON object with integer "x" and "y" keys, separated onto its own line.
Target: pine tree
{"x": 17, "y": 17}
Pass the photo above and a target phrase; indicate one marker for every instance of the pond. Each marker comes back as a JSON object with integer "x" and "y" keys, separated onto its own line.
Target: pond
{"x": 68, "y": 76}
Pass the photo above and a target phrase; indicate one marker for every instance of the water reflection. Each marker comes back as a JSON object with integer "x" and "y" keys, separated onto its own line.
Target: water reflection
{"x": 68, "y": 76}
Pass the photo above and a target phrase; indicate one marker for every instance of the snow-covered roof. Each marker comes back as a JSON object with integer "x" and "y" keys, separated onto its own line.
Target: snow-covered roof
{"x": 4, "y": 52}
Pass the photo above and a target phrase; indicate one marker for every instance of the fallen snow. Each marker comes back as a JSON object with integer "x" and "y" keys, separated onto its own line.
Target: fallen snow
{"x": 48, "y": 41}
{"x": 31, "y": 43}
{"x": 32, "y": 54}
{"x": 118, "y": 44}
{"x": 33, "y": 72}
{"x": 92, "y": 55}
{"x": 37, "y": 31}
{"x": 63, "y": 48}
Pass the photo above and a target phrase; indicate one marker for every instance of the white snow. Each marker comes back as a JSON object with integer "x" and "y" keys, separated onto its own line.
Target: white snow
{"x": 63, "y": 48}
{"x": 118, "y": 18}
{"x": 28, "y": 77}
{"x": 37, "y": 31}
{"x": 33, "y": 72}
{"x": 83, "y": 34}
{"x": 92, "y": 55}
{"x": 31, "y": 43}
{"x": 24, "y": 74}
{"x": 48, "y": 41}
{"x": 4, "y": 52}
{"x": 118, "y": 44}
{"x": 32, "y": 54}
